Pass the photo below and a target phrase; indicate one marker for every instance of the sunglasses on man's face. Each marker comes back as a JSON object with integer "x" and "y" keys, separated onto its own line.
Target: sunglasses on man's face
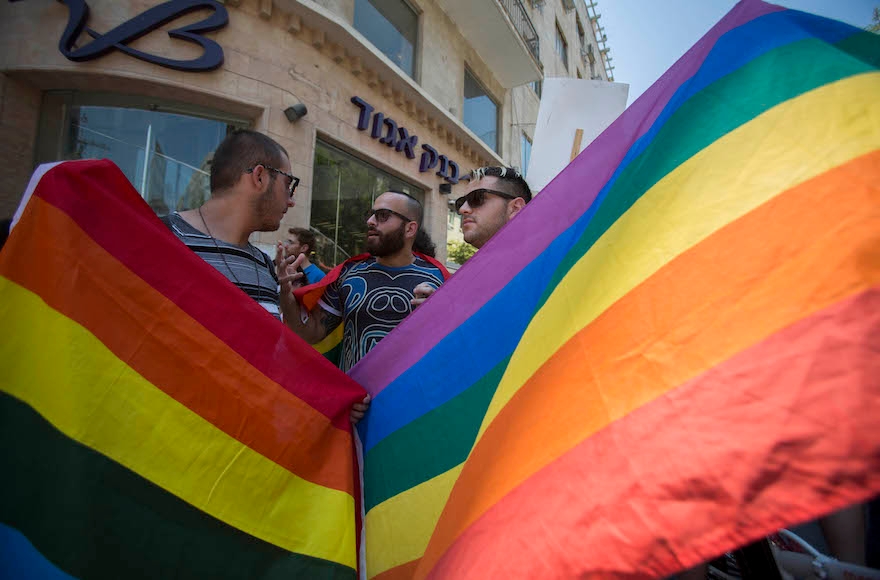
{"x": 383, "y": 214}
{"x": 477, "y": 197}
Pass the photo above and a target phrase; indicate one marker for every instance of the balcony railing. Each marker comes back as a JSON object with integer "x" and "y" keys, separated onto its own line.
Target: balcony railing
{"x": 523, "y": 25}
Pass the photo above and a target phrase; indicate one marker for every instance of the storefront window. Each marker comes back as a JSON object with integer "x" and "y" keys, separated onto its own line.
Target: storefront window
{"x": 163, "y": 148}
{"x": 392, "y": 26}
{"x": 480, "y": 111}
{"x": 165, "y": 156}
{"x": 343, "y": 192}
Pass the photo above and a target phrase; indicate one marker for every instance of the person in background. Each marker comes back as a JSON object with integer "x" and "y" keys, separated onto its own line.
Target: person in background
{"x": 302, "y": 241}
{"x": 423, "y": 244}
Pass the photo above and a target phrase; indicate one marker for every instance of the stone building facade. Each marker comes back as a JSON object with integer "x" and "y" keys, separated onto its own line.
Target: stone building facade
{"x": 399, "y": 94}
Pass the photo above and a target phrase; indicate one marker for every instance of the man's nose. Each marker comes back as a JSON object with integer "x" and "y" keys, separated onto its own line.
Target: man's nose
{"x": 462, "y": 210}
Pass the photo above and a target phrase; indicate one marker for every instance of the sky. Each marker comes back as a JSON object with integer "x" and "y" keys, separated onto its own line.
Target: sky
{"x": 646, "y": 37}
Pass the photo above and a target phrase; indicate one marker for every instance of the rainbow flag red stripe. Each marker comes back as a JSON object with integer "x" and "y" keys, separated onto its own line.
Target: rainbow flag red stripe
{"x": 157, "y": 422}
{"x": 671, "y": 352}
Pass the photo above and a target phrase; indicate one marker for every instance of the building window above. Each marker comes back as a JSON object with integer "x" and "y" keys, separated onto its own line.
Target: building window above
{"x": 525, "y": 152}
{"x": 561, "y": 46}
{"x": 480, "y": 111}
{"x": 581, "y": 35}
{"x": 536, "y": 86}
{"x": 392, "y": 26}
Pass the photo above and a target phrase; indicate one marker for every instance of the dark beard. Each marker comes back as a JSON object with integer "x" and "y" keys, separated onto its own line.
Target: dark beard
{"x": 387, "y": 244}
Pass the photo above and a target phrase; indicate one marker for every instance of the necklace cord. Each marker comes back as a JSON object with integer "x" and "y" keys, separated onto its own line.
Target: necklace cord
{"x": 225, "y": 263}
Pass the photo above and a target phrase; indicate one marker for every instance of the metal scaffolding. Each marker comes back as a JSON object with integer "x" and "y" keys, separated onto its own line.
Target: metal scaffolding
{"x": 601, "y": 38}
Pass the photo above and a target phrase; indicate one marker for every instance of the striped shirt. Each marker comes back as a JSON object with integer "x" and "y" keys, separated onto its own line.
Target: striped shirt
{"x": 247, "y": 267}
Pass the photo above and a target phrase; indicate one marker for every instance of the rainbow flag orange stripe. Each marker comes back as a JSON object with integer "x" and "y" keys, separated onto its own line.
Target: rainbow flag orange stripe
{"x": 157, "y": 421}
{"x": 671, "y": 352}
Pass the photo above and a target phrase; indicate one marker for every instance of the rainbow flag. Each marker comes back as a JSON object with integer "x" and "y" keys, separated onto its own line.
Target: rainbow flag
{"x": 155, "y": 421}
{"x": 671, "y": 352}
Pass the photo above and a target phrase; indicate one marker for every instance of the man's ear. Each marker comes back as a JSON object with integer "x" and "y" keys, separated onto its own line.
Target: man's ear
{"x": 256, "y": 178}
{"x": 411, "y": 230}
{"x": 515, "y": 206}
{"x": 307, "y": 251}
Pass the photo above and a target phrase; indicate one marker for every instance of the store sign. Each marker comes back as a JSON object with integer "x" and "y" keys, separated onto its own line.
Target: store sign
{"x": 387, "y": 131}
{"x": 143, "y": 24}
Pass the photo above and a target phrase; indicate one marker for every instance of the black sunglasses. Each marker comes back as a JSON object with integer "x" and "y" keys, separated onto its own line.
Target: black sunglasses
{"x": 293, "y": 181}
{"x": 477, "y": 197}
{"x": 383, "y": 214}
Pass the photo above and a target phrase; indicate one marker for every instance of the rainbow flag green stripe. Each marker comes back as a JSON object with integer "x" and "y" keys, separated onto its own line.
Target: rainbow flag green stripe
{"x": 139, "y": 530}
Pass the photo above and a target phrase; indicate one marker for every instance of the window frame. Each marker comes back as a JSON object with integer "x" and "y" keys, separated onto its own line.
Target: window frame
{"x": 52, "y": 122}
{"x": 417, "y": 45}
{"x": 498, "y": 112}
{"x": 524, "y": 162}
{"x": 537, "y": 87}
{"x": 561, "y": 44}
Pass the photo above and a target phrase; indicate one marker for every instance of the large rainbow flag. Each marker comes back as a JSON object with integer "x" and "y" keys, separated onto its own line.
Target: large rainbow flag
{"x": 674, "y": 350}
{"x": 671, "y": 352}
{"x": 155, "y": 422}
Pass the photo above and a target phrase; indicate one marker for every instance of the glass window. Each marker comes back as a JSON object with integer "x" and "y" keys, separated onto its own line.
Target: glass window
{"x": 536, "y": 86}
{"x": 166, "y": 156}
{"x": 580, "y": 28}
{"x": 561, "y": 46}
{"x": 480, "y": 111}
{"x": 525, "y": 152}
{"x": 392, "y": 26}
{"x": 344, "y": 190}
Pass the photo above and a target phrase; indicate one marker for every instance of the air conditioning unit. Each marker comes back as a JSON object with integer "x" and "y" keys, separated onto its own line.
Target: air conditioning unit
{"x": 568, "y": 5}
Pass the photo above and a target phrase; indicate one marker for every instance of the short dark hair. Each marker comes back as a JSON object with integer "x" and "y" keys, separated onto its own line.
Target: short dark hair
{"x": 240, "y": 151}
{"x": 413, "y": 204}
{"x": 511, "y": 175}
{"x": 305, "y": 237}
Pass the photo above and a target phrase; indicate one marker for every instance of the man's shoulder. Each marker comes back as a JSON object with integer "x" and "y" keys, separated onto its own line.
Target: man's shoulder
{"x": 180, "y": 226}
{"x": 359, "y": 264}
{"x": 427, "y": 267}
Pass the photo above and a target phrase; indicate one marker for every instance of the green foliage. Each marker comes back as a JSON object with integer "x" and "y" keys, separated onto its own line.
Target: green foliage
{"x": 459, "y": 252}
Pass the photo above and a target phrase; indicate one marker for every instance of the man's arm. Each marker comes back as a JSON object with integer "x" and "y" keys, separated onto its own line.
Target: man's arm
{"x": 312, "y": 327}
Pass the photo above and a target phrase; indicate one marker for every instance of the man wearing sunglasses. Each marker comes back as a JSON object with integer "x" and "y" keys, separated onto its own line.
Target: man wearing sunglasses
{"x": 251, "y": 190}
{"x": 369, "y": 294}
{"x": 493, "y": 197}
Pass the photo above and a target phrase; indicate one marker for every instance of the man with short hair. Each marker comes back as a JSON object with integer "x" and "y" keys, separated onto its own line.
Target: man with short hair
{"x": 493, "y": 197}
{"x": 369, "y": 294}
{"x": 302, "y": 241}
{"x": 251, "y": 190}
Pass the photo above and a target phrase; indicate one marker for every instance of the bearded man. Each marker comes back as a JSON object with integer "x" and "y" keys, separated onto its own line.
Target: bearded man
{"x": 369, "y": 294}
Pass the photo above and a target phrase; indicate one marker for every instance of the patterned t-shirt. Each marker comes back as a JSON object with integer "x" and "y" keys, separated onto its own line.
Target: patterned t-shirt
{"x": 372, "y": 299}
{"x": 249, "y": 268}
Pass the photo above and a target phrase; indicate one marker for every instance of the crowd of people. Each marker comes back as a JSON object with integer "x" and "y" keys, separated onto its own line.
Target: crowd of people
{"x": 370, "y": 294}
